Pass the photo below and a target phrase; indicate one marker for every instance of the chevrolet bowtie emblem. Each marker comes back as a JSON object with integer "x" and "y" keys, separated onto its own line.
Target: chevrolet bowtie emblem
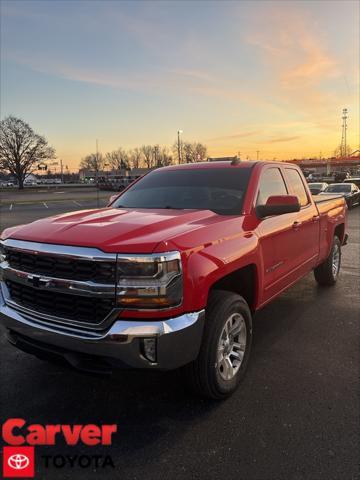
{"x": 36, "y": 281}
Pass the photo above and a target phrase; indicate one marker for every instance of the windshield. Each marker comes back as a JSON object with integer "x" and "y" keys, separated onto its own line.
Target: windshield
{"x": 218, "y": 189}
{"x": 315, "y": 185}
{"x": 338, "y": 188}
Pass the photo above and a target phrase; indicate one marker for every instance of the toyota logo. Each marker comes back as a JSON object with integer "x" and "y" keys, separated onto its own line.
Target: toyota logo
{"x": 18, "y": 461}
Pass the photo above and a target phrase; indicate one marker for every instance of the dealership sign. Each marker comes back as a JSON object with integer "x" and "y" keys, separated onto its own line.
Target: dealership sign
{"x": 21, "y": 439}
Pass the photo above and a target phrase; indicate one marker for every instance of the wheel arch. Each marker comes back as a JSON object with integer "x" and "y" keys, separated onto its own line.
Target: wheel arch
{"x": 243, "y": 281}
{"x": 340, "y": 232}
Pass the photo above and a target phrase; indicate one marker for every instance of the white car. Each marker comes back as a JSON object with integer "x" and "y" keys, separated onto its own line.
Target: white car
{"x": 316, "y": 188}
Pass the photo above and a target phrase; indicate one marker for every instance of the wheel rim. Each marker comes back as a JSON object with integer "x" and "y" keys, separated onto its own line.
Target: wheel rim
{"x": 231, "y": 346}
{"x": 336, "y": 261}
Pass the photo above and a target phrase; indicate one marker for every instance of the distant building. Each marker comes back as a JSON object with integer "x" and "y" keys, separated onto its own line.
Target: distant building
{"x": 138, "y": 172}
{"x": 86, "y": 175}
{"x": 91, "y": 175}
{"x": 30, "y": 179}
{"x": 327, "y": 165}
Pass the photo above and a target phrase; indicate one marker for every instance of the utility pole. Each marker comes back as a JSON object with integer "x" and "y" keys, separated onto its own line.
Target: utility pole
{"x": 179, "y": 146}
{"x": 257, "y": 155}
{"x": 343, "y": 133}
{"x": 61, "y": 171}
{"x": 96, "y": 174}
{"x": 156, "y": 157}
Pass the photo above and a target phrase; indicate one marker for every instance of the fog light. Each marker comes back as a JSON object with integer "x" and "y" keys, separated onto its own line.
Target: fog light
{"x": 149, "y": 349}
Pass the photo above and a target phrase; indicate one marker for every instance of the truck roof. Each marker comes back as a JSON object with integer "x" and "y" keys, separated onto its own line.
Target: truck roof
{"x": 222, "y": 164}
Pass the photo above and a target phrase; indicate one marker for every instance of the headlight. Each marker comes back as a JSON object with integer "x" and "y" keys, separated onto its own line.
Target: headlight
{"x": 149, "y": 281}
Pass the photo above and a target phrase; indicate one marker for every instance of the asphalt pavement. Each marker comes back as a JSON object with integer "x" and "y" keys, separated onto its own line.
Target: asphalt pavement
{"x": 19, "y": 212}
{"x": 295, "y": 416}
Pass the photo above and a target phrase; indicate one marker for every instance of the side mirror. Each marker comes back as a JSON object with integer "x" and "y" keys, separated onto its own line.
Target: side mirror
{"x": 278, "y": 205}
{"x": 112, "y": 199}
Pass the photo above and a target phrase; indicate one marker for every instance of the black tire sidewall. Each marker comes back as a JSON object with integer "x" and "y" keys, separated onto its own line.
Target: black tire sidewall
{"x": 234, "y": 304}
{"x": 337, "y": 242}
{"x": 323, "y": 273}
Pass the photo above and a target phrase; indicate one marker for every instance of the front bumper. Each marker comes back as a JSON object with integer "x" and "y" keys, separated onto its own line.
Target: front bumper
{"x": 177, "y": 341}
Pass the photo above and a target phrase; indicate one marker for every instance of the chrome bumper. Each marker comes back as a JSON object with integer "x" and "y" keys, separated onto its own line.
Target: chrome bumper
{"x": 178, "y": 340}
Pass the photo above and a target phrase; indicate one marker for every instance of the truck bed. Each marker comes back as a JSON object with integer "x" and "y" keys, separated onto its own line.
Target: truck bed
{"x": 325, "y": 198}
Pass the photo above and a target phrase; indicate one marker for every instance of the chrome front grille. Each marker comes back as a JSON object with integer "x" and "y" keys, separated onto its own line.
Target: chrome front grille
{"x": 61, "y": 266}
{"x": 73, "y": 307}
{"x": 69, "y": 285}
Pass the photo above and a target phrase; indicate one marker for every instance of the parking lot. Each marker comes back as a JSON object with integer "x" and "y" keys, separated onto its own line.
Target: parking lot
{"x": 17, "y": 208}
{"x": 296, "y": 415}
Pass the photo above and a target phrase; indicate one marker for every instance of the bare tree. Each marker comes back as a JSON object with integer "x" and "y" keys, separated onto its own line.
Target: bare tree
{"x": 341, "y": 152}
{"x": 21, "y": 148}
{"x": 163, "y": 157}
{"x": 194, "y": 152}
{"x": 136, "y": 158}
{"x": 94, "y": 162}
{"x": 118, "y": 159}
{"x": 148, "y": 153}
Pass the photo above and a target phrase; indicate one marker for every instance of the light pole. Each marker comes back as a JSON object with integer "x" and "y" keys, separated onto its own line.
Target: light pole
{"x": 62, "y": 171}
{"x": 179, "y": 146}
{"x": 97, "y": 173}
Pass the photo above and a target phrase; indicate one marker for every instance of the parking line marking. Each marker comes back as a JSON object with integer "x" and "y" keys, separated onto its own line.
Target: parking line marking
{"x": 45, "y": 205}
{"x": 77, "y": 203}
{"x": 11, "y": 206}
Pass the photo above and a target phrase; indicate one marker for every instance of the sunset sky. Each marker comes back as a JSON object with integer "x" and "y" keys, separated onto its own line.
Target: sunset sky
{"x": 237, "y": 76}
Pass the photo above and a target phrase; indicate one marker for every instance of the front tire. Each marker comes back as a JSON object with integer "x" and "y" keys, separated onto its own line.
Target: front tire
{"x": 327, "y": 273}
{"x": 225, "y": 349}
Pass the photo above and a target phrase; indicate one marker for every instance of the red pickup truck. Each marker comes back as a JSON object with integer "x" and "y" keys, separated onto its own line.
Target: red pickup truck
{"x": 171, "y": 273}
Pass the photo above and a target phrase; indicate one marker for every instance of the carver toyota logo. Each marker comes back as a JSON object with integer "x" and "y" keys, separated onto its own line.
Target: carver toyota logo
{"x": 19, "y": 458}
{"x": 18, "y": 462}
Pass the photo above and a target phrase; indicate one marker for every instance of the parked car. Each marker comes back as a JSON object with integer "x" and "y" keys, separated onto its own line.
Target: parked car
{"x": 349, "y": 190}
{"x": 355, "y": 180}
{"x": 314, "y": 176}
{"x": 316, "y": 188}
{"x": 171, "y": 274}
{"x": 7, "y": 184}
{"x": 341, "y": 176}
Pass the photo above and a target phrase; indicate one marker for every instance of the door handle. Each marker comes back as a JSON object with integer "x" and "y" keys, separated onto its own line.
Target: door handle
{"x": 296, "y": 225}
{"x": 315, "y": 218}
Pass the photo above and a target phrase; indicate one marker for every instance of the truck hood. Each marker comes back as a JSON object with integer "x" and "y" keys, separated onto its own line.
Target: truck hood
{"x": 118, "y": 230}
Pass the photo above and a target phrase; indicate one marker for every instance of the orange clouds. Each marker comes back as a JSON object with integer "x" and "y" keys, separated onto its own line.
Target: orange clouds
{"x": 296, "y": 56}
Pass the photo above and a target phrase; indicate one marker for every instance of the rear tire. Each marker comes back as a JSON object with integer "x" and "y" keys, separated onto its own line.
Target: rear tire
{"x": 225, "y": 349}
{"x": 327, "y": 273}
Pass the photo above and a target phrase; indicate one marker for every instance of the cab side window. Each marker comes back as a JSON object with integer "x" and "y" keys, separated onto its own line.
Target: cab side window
{"x": 297, "y": 186}
{"x": 271, "y": 183}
